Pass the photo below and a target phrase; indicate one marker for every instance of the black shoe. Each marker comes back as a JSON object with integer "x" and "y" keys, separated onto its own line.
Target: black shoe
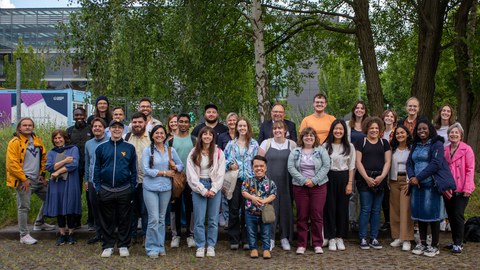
{"x": 71, "y": 239}
{"x": 61, "y": 240}
{"x": 449, "y": 246}
{"x": 353, "y": 226}
{"x": 93, "y": 240}
{"x": 385, "y": 227}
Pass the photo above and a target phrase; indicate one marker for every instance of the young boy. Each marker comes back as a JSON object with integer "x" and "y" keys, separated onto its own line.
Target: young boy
{"x": 258, "y": 191}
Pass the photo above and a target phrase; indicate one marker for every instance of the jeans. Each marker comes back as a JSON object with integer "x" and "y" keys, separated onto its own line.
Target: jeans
{"x": 157, "y": 204}
{"x": 23, "y": 205}
{"x": 252, "y": 221}
{"x": 370, "y": 206}
{"x": 209, "y": 206}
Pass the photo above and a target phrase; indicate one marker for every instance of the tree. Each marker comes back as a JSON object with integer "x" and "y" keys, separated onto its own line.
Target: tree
{"x": 32, "y": 69}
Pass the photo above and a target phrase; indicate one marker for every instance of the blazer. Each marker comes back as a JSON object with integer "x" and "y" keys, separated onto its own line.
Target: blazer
{"x": 462, "y": 166}
{"x": 266, "y": 131}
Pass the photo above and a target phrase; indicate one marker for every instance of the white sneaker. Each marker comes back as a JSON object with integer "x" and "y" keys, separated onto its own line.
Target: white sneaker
{"x": 285, "y": 244}
{"x": 175, "y": 242}
{"x": 246, "y": 246}
{"x": 200, "y": 253}
{"x": 332, "y": 245}
{"x": 340, "y": 244}
{"x": 406, "y": 246}
{"x": 107, "y": 253}
{"x": 124, "y": 252}
{"x": 300, "y": 250}
{"x": 396, "y": 243}
{"x": 27, "y": 239}
{"x": 272, "y": 244}
{"x": 448, "y": 228}
{"x": 210, "y": 252}
{"x": 191, "y": 242}
{"x": 318, "y": 250}
{"x": 325, "y": 242}
{"x": 44, "y": 227}
{"x": 443, "y": 225}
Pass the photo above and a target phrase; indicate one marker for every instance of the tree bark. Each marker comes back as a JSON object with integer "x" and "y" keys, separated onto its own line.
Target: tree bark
{"x": 261, "y": 78}
{"x": 430, "y": 28}
{"x": 363, "y": 31}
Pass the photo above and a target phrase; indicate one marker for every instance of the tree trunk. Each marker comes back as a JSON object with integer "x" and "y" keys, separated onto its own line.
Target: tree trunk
{"x": 261, "y": 78}
{"x": 430, "y": 27}
{"x": 363, "y": 31}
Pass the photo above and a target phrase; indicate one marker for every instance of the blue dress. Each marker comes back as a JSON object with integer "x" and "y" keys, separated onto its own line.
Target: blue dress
{"x": 63, "y": 196}
{"x": 427, "y": 202}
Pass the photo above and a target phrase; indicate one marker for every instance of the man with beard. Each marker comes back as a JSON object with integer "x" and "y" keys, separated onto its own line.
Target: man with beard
{"x": 98, "y": 131}
{"x": 79, "y": 134}
{"x": 145, "y": 107}
{"x": 211, "y": 120}
{"x": 278, "y": 114}
{"x": 183, "y": 144}
{"x": 139, "y": 138}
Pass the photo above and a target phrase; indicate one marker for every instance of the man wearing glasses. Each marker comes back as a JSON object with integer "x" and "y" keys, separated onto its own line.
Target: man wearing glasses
{"x": 145, "y": 107}
{"x": 278, "y": 114}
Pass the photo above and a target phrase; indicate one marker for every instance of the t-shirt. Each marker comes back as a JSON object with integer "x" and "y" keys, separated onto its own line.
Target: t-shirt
{"x": 219, "y": 129}
{"x": 321, "y": 124}
{"x": 183, "y": 146}
{"x": 31, "y": 166}
{"x": 278, "y": 146}
{"x": 373, "y": 155}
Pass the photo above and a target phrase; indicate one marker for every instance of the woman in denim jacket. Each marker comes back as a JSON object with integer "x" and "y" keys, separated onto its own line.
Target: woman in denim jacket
{"x": 309, "y": 164}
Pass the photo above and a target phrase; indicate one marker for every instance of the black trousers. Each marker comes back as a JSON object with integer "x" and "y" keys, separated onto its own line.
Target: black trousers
{"x": 115, "y": 211}
{"x": 435, "y": 229}
{"x": 139, "y": 211}
{"x": 69, "y": 220}
{"x": 455, "y": 209}
{"x": 92, "y": 196}
{"x": 236, "y": 224}
{"x": 386, "y": 203}
{"x": 335, "y": 214}
{"x": 186, "y": 197}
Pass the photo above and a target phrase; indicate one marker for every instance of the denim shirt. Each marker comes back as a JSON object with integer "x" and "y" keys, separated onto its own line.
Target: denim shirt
{"x": 244, "y": 162}
{"x": 322, "y": 166}
{"x": 151, "y": 180}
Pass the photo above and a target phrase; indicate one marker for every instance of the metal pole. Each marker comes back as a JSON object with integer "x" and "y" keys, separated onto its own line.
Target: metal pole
{"x": 19, "y": 91}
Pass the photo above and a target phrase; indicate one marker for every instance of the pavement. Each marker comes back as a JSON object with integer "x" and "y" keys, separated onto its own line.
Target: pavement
{"x": 45, "y": 255}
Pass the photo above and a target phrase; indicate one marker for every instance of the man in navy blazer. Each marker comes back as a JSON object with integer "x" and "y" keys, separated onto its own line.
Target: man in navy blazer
{"x": 278, "y": 114}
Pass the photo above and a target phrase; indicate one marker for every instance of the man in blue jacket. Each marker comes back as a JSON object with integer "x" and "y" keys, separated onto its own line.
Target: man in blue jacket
{"x": 115, "y": 178}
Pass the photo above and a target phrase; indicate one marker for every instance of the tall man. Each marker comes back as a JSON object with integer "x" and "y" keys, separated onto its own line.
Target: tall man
{"x": 211, "y": 120}
{"x": 183, "y": 144}
{"x": 139, "y": 138}
{"x": 320, "y": 121}
{"x": 98, "y": 130}
{"x": 278, "y": 114}
{"x": 145, "y": 107}
{"x": 79, "y": 134}
{"x": 115, "y": 178}
{"x": 25, "y": 167}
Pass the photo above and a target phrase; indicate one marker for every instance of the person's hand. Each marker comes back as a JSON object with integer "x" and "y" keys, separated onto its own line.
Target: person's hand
{"x": 210, "y": 194}
{"x": 234, "y": 166}
{"x": 371, "y": 182}
{"x": 170, "y": 173}
{"x": 68, "y": 160}
{"x": 466, "y": 194}
{"x": 26, "y": 185}
{"x": 414, "y": 181}
{"x": 256, "y": 200}
{"x": 85, "y": 185}
{"x": 172, "y": 165}
{"x": 309, "y": 183}
{"x": 348, "y": 189}
{"x": 44, "y": 181}
{"x": 54, "y": 175}
{"x": 378, "y": 180}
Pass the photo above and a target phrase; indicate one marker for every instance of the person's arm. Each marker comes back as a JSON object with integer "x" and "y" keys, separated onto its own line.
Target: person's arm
{"x": 436, "y": 156}
{"x": 13, "y": 166}
{"x": 43, "y": 161}
{"x": 133, "y": 168}
{"x": 217, "y": 183}
{"x": 73, "y": 165}
{"x": 321, "y": 174}
{"x": 87, "y": 165}
{"x": 469, "y": 171}
{"x": 97, "y": 168}
{"x": 293, "y": 170}
{"x": 178, "y": 162}
{"x": 361, "y": 170}
{"x": 386, "y": 167}
{"x": 193, "y": 178}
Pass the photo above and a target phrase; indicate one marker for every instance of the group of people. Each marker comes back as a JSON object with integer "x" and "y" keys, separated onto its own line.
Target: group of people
{"x": 418, "y": 171}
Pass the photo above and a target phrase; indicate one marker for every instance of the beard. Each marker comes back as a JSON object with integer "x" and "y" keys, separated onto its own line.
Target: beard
{"x": 138, "y": 131}
{"x": 211, "y": 121}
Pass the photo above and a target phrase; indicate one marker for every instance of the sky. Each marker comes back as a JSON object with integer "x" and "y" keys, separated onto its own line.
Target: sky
{"x": 34, "y": 3}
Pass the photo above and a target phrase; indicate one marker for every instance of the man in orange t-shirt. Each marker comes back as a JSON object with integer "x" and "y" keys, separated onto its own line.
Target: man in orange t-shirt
{"x": 320, "y": 121}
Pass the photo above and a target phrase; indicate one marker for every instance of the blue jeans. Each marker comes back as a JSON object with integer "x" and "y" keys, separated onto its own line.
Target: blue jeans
{"x": 156, "y": 203}
{"x": 252, "y": 222}
{"x": 370, "y": 206}
{"x": 205, "y": 206}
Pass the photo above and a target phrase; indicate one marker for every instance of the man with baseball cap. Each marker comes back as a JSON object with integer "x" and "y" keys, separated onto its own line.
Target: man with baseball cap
{"x": 211, "y": 120}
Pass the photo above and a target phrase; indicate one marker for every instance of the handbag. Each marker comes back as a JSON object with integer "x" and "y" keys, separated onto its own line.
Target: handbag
{"x": 268, "y": 212}
{"x": 229, "y": 183}
{"x": 179, "y": 179}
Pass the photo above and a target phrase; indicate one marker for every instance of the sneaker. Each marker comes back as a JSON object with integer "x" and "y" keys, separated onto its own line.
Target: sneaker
{"x": 124, "y": 252}
{"x": 71, "y": 239}
{"x": 272, "y": 244}
{"x": 443, "y": 224}
{"x": 364, "y": 244}
{"x": 353, "y": 226}
{"x": 332, "y": 245}
{"x": 246, "y": 246}
{"x": 449, "y": 246}
{"x": 267, "y": 255}
{"x": 200, "y": 253}
{"x": 318, "y": 250}
{"x": 385, "y": 227}
{"x": 396, "y": 243}
{"x": 210, "y": 252}
{"x": 375, "y": 244}
{"x": 406, "y": 245}
{"x": 448, "y": 228}
{"x": 91, "y": 228}
{"x": 234, "y": 246}
{"x": 175, "y": 242}
{"x": 325, "y": 242}
{"x": 43, "y": 227}
{"x": 162, "y": 253}
{"x": 457, "y": 249}
{"x": 285, "y": 244}
{"x": 107, "y": 253}
{"x": 93, "y": 240}
{"x": 61, "y": 240}
{"x": 340, "y": 244}
{"x": 190, "y": 242}
{"x": 300, "y": 250}
{"x": 27, "y": 239}
{"x": 153, "y": 256}
{"x": 431, "y": 251}
{"x": 254, "y": 254}
{"x": 419, "y": 249}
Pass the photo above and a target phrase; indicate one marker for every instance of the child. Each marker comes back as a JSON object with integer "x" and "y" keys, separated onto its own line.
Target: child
{"x": 258, "y": 191}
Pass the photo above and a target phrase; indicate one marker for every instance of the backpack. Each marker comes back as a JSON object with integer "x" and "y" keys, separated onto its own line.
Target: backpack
{"x": 472, "y": 230}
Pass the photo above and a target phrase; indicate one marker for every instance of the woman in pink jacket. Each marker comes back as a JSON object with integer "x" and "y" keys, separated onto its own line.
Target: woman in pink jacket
{"x": 461, "y": 161}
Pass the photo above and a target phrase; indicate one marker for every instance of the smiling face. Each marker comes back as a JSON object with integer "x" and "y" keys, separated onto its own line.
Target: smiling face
{"x": 279, "y": 131}
{"x": 26, "y": 127}
{"x": 58, "y": 140}
{"x": 259, "y": 168}
{"x": 116, "y": 131}
{"x": 145, "y": 107}
{"x": 183, "y": 124}
{"x": 319, "y": 104}
{"x": 423, "y": 132}
{"x": 413, "y": 106}
{"x": 232, "y": 122}
{"x": 207, "y": 138}
{"x": 242, "y": 127}
{"x": 389, "y": 118}
{"x": 78, "y": 116}
{"x": 102, "y": 106}
{"x": 211, "y": 115}
{"x": 401, "y": 135}
{"x": 455, "y": 135}
{"x": 359, "y": 110}
{"x": 278, "y": 113}
{"x": 138, "y": 126}
{"x": 373, "y": 131}
{"x": 173, "y": 124}
{"x": 159, "y": 136}
{"x": 338, "y": 132}
{"x": 98, "y": 129}
{"x": 118, "y": 114}
{"x": 308, "y": 140}
{"x": 446, "y": 113}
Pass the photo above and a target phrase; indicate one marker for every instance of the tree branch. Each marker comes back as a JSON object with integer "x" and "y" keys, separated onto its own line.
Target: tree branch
{"x": 327, "y": 13}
